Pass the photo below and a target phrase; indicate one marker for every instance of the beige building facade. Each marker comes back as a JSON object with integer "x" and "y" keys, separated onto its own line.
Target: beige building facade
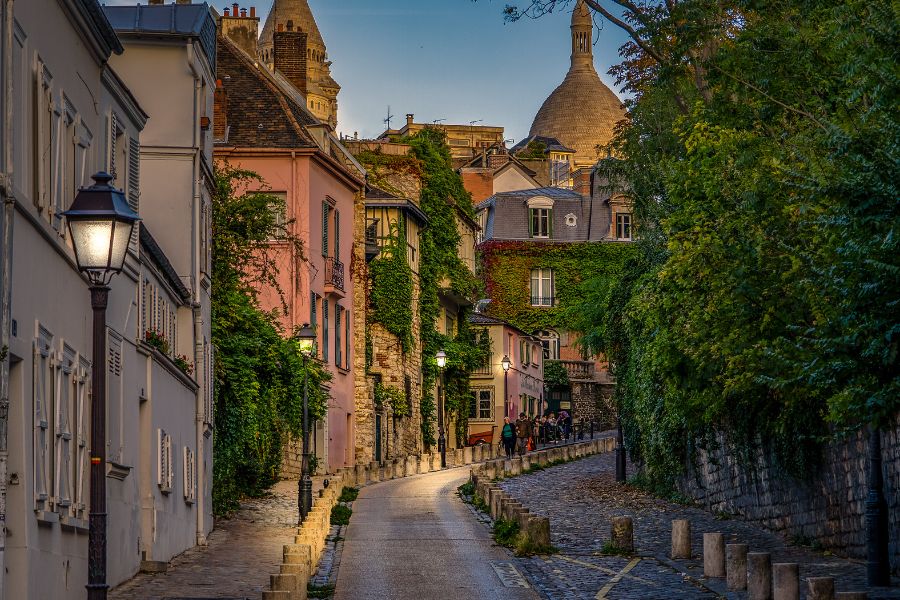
{"x": 71, "y": 114}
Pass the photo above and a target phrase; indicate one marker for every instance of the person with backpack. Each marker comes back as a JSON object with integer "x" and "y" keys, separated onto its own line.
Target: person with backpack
{"x": 508, "y": 437}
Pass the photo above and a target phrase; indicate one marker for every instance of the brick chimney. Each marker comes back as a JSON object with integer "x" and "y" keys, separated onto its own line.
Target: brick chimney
{"x": 241, "y": 29}
{"x": 409, "y": 119}
{"x": 290, "y": 57}
{"x": 581, "y": 182}
{"x": 220, "y": 112}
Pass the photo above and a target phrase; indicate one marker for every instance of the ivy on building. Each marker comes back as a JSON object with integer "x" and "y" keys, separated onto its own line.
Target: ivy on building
{"x": 258, "y": 372}
{"x": 507, "y": 266}
{"x": 393, "y": 397}
{"x": 391, "y": 287}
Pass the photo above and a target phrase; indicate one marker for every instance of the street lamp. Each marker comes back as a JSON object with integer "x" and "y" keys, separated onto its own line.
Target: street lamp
{"x": 441, "y": 358}
{"x": 100, "y": 223}
{"x": 306, "y": 340}
{"x": 506, "y": 363}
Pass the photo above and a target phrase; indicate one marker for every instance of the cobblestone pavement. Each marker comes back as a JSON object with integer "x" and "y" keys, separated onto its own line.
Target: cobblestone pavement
{"x": 242, "y": 551}
{"x": 581, "y": 497}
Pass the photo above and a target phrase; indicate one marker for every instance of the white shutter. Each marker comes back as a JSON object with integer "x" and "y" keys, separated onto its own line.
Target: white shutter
{"x": 41, "y": 400}
{"x": 82, "y": 416}
{"x": 164, "y": 461}
{"x": 65, "y": 378}
{"x": 189, "y": 478}
{"x": 114, "y": 400}
{"x": 134, "y": 184}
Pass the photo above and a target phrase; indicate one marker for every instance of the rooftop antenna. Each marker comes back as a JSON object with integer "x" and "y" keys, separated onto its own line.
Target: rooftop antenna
{"x": 389, "y": 117}
{"x": 436, "y": 121}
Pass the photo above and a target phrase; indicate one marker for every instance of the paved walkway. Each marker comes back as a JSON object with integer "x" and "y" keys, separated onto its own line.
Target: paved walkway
{"x": 581, "y": 497}
{"x": 236, "y": 563}
{"x": 414, "y": 538}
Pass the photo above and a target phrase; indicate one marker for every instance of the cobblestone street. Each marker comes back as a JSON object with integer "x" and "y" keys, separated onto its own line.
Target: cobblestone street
{"x": 581, "y": 497}
{"x": 236, "y": 563}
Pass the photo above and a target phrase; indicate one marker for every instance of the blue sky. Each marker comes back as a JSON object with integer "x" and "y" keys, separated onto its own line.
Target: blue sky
{"x": 443, "y": 59}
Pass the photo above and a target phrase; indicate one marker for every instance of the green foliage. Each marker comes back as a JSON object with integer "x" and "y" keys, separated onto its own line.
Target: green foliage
{"x": 348, "y": 494}
{"x": 555, "y": 374}
{"x": 391, "y": 292}
{"x": 507, "y": 266}
{"x": 380, "y": 166}
{"x": 259, "y": 374}
{"x": 319, "y": 591}
{"x": 610, "y": 548}
{"x": 396, "y": 398}
{"x": 534, "y": 149}
{"x": 506, "y": 532}
{"x": 340, "y": 514}
{"x": 764, "y": 302}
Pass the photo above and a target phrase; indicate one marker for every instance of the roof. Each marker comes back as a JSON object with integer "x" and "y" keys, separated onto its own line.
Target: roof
{"x": 167, "y": 20}
{"x": 483, "y": 319}
{"x": 148, "y": 243}
{"x": 379, "y": 198}
{"x": 552, "y": 144}
{"x": 550, "y": 192}
{"x": 261, "y": 113}
{"x": 99, "y": 23}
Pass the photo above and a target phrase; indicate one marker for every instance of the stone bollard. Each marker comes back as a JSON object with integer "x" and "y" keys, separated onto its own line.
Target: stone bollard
{"x": 458, "y": 457}
{"x": 786, "y": 581}
{"x": 537, "y": 531}
{"x": 736, "y": 566}
{"x": 436, "y": 461}
{"x": 412, "y": 465}
{"x": 522, "y": 518}
{"x": 622, "y": 533}
{"x": 526, "y": 463}
{"x": 276, "y": 595}
{"x": 361, "y": 475}
{"x": 468, "y": 455}
{"x": 681, "y": 538}
{"x": 373, "y": 472}
{"x": 508, "y": 508}
{"x": 820, "y": 588}
{"x": 507, "y": 467}
{"x": 759, "y": 576}
{"x": 516, "y": 466}
{"x": 494, "y": 502}
{"x": 301, "y": 572}
{"x": 300, "y": 554}
{"x": 713, "y": 555}
{"x": 283, "y": 583}
{"x": 425, "y": 463}
{"x": 851, "y": 596}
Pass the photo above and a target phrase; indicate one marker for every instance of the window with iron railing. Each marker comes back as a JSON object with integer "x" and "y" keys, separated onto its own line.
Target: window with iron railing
{"x": 542, "y": 287}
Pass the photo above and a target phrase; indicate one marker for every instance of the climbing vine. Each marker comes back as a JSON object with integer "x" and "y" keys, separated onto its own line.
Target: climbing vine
{"x": 394, "y": 397}
{"x": 391, "y": 293}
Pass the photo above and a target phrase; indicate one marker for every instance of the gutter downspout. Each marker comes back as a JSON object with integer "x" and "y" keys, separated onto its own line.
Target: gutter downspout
{"x": 6, "y": 247}
{"x": 196, "y": 200}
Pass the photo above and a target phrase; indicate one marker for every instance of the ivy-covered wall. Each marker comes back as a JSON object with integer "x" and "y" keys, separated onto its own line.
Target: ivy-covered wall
{"x": 506, "y": 268}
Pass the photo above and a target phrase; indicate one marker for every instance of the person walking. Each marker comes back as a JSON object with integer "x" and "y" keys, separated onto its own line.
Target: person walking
{"x": 508, "y": 437}
{"x": 523, "y": 432}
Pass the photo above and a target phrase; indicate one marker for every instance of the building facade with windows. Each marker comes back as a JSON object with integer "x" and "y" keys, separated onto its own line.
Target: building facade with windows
{"x": 264, "y": 125}
{"x": 497, "y": 393}
{"x": 72, "y": 115}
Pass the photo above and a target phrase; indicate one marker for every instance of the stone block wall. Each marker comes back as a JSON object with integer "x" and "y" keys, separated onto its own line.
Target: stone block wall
{"x": 592, "y": 401}
{"x": 829, "y": 506}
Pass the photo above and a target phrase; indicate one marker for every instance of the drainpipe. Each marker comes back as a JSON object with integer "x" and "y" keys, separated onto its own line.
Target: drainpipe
{"x": 196, "y": 201}
{"x": 6, "y": 247}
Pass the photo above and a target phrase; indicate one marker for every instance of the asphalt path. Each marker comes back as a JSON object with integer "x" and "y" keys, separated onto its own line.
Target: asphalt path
{"x": 413, "y": 538}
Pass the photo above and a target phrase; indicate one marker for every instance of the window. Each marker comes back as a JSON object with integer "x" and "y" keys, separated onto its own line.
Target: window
{"x": 313, "y": 316}
{"x": 326, "y": 210}
{"x": 449, "y": 324}
{"x": 540, "y": 222}
{"x": 338, "y": 310}
{"x": 346, "y": 339}
{"x": 44, "y": 392}
{"x": 524, "y": 353}
{"x": 481, "y": 407}
{"x": 115, "y": 441}
{"x": 542, "y": 287}
{"x": 325, "y": 329}
{"x": 164, "y": 466}
{"x": 337, "y": 235}
{"x": 550, "y": 342}
{"x": 189, "y": 476}
{"x": 623, "y": 226}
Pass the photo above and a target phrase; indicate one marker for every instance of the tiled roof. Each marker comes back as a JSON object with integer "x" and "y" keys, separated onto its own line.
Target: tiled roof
{"x": 483, "y": 319}
{"x": 261, "y": 113}
{"x": 552, "y": 144}
{"x": 174, "y": 20}
{"x": 550, "y": 192}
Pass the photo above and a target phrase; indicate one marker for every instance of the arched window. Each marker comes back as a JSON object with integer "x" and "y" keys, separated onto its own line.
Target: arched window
{"x": 550, "y": 341}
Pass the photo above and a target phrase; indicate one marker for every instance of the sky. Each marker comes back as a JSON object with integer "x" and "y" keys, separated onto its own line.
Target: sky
{"x": 455, "y": 60}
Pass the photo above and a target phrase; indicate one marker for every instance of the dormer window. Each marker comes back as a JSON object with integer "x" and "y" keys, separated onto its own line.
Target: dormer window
{"x": 540, "y": 217}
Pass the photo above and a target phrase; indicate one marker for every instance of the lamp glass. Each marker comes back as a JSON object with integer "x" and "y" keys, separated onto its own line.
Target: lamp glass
{"x": 120, "y": 238}
{"x": 91, "y": 240}
{"x": 306, "y": 340}
{"x": 506, "y": 363}
{"x": 441, "y": 358}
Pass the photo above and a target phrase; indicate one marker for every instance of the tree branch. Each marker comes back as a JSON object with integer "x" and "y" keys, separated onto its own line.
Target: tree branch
{"x": 775, "y": 100}
{"x": 632, "y": 33}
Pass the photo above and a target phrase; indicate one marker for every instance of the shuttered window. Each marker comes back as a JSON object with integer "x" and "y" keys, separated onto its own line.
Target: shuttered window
{"x": 337, "y": 235}
{"x": 43, "y": 392}
{"x": 164, "y": 466}
{"x": 346, "y": 339}
{"x": 325, "y": 209}
{"x": 325, "y": 329}
{"x": 313, "y": 317}
{"x": 338, "y": 309}
{"x": 189, "y": 476}
{"x": 134, "y": 184}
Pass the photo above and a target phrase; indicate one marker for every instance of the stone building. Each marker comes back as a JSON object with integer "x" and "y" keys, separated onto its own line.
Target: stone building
{"x": 72, "y": 115}
{"x": 582, "y": 112}
{"x": 264, "y": 124}
{"x": 465, "y": 141}
{"x": 317, "y": 86}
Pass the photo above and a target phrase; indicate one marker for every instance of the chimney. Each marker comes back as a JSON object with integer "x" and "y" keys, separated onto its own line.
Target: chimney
{"x": 290, "y": 57}
{"x": 409, "y": 119}
{"x": 241, "y": 29}
{"x": 581, "y": 180}
{"x": 152, "y": 2}
{"x": 220, "y": 112}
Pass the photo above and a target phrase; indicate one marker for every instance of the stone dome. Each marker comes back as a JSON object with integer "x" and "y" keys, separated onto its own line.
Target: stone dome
{"x": 582, "y": 112}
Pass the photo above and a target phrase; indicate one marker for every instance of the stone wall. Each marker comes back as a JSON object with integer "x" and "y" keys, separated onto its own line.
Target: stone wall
{"x": 829, "y": 507}
{"x": 592, "y": 401}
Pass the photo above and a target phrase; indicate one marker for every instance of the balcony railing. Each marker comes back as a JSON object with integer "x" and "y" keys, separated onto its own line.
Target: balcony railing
{"x": 487, "y": 369}
{"x": 579, "y": 370}
{"x": 543, "y": 301}
{"x": 334, "y": 273}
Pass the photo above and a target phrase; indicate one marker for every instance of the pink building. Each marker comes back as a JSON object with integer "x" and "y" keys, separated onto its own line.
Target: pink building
{"x": 498, "y": 392}
{"x": 262, "y": 124}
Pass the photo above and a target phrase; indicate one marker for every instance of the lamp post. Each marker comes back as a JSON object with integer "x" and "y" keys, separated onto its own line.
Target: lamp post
{"x": 100, "y": 223}
{"x": 620, "y": 453}
{"x": 441, "y": 358}
{"x": 306, "y": 339}
{"x": 506, "y": 364}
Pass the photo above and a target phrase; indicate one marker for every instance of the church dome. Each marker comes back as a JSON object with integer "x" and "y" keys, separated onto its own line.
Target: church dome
{"x": 582, "y": 112}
